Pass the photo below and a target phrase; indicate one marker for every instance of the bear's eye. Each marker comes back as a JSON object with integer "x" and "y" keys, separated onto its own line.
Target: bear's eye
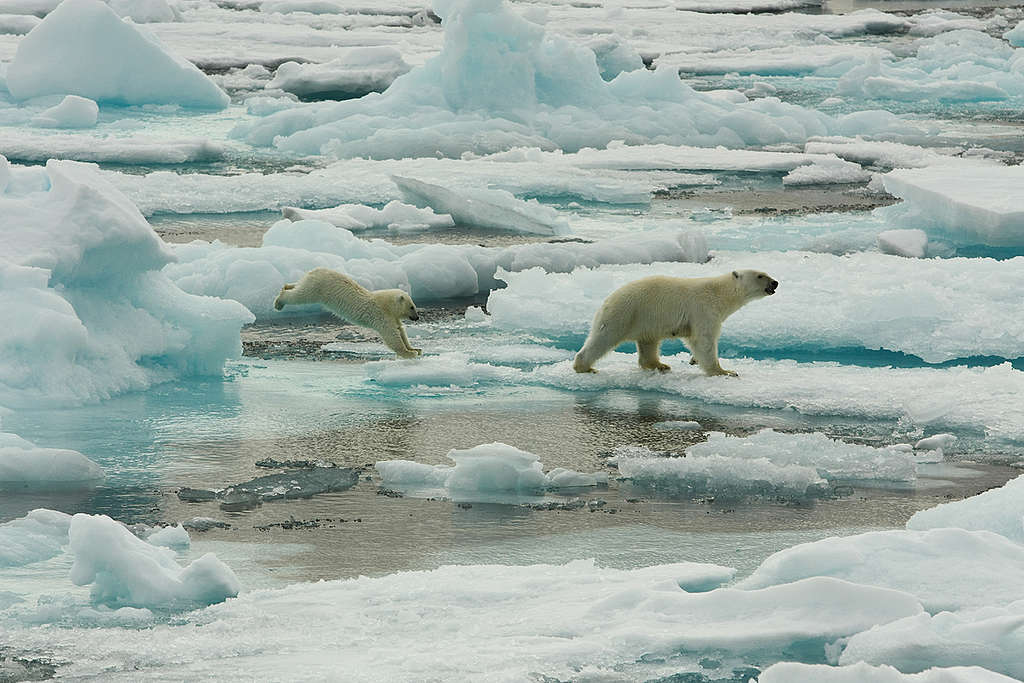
{"x": 760, "y": 277}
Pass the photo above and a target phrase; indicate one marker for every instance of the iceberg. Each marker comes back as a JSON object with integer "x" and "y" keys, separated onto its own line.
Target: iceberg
{"x": 90, "y": 313}
{"x": 63, "y": 55}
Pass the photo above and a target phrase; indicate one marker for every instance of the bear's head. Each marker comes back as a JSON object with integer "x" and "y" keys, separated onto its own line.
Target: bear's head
{"x": 754, "y": 283}
{"x": 403, "y": 307}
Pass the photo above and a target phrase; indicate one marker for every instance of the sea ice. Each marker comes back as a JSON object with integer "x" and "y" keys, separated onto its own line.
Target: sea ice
{"x": 830, "y": 170}
{"x": 394, "y": 216}
{"x": 429, "y": 272}
{"x": 173, "y": 537}
{"x": 1000, "y": 510}
{"x": 63, "y": 55}
{"x": 90, "y": 314}
{"x": 1015, "y": 36}
{"x": 39, "y": 535}
{"x": 990, "y": 637}
{"x": 141, "y": 149}
{"x": 968, "y": 203}
{"x": 909, "y": 243}
{"x": 495, "y": 209}
{"x": 354, "y": 73}
{"x": 946, "y": 569}
{"x": 127, "y": 571}
{"x": 23, "y": 465}
{"x": 485, "y": 469}
{"x": 936, "y": 309}
{"x": 72, "y": 112}
{"x": 793, "y": 672}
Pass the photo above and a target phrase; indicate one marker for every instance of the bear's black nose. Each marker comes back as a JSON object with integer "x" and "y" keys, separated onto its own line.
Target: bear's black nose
{"x": 772, "y": 286}
{"x": 414, "y": 316}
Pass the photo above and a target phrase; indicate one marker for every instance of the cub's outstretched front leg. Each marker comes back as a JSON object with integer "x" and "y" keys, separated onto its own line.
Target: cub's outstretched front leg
{"x": 405, "y": 340}
{"x": 395, "y": 339}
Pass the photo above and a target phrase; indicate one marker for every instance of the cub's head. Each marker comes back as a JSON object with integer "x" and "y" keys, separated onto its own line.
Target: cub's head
{"x": 403, "y": 307}
{"x": 755, "y": 283}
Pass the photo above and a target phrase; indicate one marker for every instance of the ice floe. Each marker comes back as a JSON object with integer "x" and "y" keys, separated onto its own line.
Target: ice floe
{"x": 487, "y": 469}
{"x": 354, "y": 73}
{"x": 91, "y": 314}
{"x": 946, "y": 569}
{"x": 72, "y": 112}
{"x": 932, "y": 309}
{"x": 967, "y": 203}
{"x": 395, "y": 215}
{"x": 139, "y": 149}
{"x": 793, "y": 672}
{"x": 62, "y": 56}
{"x": 23, "y": 465}
{"x": 1000, "y": 510}
{"x": 126, "y": 571}
{"x": 429, "y": 272}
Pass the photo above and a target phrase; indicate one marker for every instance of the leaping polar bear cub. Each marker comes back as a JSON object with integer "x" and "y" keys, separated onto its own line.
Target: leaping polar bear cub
{"x": 380, "y": 310}
{"x": 655, "y": 308}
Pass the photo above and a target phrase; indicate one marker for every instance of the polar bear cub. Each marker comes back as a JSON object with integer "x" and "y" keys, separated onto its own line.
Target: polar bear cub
{"x": 655, "y": 308}
{"x": 380, "y": 310}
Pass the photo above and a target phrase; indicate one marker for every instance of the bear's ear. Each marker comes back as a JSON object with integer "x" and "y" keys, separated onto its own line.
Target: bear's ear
{"x": 736, "y": 274}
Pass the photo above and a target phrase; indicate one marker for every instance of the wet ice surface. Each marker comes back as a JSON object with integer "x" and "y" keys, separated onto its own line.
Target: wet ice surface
{"x": 272, "y": 469}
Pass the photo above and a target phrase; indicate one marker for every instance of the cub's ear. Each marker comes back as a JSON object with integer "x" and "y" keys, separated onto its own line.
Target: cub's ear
{"x": 736, "y": 274}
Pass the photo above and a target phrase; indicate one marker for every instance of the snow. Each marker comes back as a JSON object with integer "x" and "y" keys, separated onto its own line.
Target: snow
{"x": 968, "y": 203}
{"x": 23, "y": 465}
{"x": 429, "y": 272}
{"x": 354, "y": 73}
{"x": 484, "y": 469}
{"x": 63, "y": 55}
{"x": 793, "y": 672}
{"x": 989, "y": 637}
{"x": 395, "y": 215}
{"x": 937, "y": 309}
{"x": 946, "y": 569}
{"x": 496, "y": 209}
{"x": 909, "y": 243}
{"x": 72, "y": 112}
{"x": 1000, "y": 510}
{"x": 604, "y": 616}
{"x": 91, "y": 314}
{"x": 126, "y": 571}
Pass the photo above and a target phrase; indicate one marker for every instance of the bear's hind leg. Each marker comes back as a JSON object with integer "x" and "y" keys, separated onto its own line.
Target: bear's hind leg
{"x": 600, "y": 341}
{"x": 649, "y": 356}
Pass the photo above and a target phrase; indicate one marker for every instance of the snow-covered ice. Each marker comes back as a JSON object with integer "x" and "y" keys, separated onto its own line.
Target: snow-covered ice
{"x": 92, "y": 315}
{"x": 63, "y": 55}
{"x": 968, "y": 203}
{"x": 1000, "y": 510}
{"x": 792, "y": 672}
{"x": 23, "y": 465}
{"x": 395, "y": 215}
{"x": 72, "y": 112}
{"x": 937, "y": 310}
{"x": 354, "y": 73}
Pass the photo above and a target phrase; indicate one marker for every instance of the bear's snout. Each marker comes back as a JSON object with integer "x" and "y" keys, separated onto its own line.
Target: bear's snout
{"x": 772, "y": 286}
{"x": 414, "y": 316}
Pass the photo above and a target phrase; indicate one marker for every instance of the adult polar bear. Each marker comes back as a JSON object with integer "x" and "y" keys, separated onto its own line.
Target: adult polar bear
{"x": 380, "y": 310}
{"x": 659, "y": 307}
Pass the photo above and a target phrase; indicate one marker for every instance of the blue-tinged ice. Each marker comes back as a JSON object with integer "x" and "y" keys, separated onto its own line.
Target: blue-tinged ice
{"x": 353, "y": 73}
{"x": 90, "y": 313}
{"x": 125, "y": 571}
{"x": 72, "y": 112}
{"x": 84, "y": 48}
{"x": 1016, "y": 35}
{"x": 429, "y": 272}
{"x": 25, "y": 466}
{"x": 795, "y": 672}
{"x": 39, "y": 535}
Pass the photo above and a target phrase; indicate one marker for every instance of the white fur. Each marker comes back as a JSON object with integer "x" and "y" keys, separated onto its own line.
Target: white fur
{"x": 381, "y": 310}
{"x": 655, "y": 308}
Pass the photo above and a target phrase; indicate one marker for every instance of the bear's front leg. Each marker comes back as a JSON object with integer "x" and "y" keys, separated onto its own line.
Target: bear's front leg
{"x": 649, "y": 357}
{"x": 705, "y": 353}
{"x": 405, "y": 340}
